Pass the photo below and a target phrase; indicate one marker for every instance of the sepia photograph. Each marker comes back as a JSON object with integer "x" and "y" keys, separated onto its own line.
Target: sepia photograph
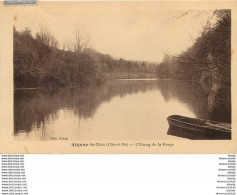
{"x": 125, "y": 95}
{"x": 122, "y": 73}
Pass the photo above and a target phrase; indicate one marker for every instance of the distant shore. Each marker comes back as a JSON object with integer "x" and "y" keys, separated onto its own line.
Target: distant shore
{"x": 129, "y": 75}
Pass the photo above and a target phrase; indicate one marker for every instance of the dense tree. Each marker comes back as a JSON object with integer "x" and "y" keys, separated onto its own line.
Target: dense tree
{"x": 210, "y": 54}
{"x": 39, "y": 62}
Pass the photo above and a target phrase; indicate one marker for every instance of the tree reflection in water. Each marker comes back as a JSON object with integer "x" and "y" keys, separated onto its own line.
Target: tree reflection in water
{"x": 33, "y": 108}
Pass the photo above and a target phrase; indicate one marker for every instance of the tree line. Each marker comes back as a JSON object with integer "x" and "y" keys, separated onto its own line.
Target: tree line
{"x": 39, "y": 62}
{"x": 209, "y": 59}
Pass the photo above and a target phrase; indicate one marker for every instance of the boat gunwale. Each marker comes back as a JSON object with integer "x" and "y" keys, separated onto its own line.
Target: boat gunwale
{"x": 180, "y": 121}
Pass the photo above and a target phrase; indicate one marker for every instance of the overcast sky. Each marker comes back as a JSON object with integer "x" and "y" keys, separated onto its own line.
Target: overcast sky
{"x": 129, "y": 32}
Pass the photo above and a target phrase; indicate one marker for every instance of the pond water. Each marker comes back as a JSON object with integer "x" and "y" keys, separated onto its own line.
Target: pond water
{"x": 116, "y": 110}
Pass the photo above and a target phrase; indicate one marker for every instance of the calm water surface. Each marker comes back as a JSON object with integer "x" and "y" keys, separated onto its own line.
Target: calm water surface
{"x": 117, "y": 110}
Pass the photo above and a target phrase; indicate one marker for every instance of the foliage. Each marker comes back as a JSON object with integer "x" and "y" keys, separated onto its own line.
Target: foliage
{"x": 39, "y": 62}
{"x": 211, "y": 51}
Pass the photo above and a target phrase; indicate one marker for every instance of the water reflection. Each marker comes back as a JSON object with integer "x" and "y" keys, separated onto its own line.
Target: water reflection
{"x": 191, "y": 93}
{"x": 123, "y": 109}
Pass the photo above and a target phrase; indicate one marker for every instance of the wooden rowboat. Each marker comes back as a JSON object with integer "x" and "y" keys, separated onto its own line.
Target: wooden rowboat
{"x": 198, "y": 128}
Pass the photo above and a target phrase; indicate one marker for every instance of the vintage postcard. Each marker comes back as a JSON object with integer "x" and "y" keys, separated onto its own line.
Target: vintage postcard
{"x": 118, "y": 77}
